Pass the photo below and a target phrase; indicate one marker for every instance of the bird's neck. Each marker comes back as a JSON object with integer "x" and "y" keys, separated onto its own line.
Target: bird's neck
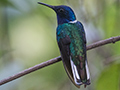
{"x": 73, "y": 21}
{"x": 64, "y": 20}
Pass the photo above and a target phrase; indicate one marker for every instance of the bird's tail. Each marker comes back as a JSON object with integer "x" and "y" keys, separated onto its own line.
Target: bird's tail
{"x": 81, "y": 76}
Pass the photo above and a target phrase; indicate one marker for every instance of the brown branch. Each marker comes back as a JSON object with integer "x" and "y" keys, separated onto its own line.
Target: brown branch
{"x": 57, "y": 59}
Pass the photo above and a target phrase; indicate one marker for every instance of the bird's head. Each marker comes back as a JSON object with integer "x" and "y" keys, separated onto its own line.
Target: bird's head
{"x": 64, "y": 13}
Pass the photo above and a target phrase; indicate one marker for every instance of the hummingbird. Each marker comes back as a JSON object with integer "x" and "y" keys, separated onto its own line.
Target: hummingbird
{"x": 71, "y": 40}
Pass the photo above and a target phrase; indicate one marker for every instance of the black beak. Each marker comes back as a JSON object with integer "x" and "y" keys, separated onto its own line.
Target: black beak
{"x": 50, "y": 6}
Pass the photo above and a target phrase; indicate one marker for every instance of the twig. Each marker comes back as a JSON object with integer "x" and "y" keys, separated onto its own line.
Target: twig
{"x": 57, "y": 59}
{"x": 103, "y": 42}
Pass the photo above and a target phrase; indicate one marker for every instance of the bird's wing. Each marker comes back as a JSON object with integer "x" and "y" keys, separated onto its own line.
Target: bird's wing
{"x": 63, "y": 44}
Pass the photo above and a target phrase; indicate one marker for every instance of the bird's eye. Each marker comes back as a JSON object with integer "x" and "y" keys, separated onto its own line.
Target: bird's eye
{"x": 61, "y": 10}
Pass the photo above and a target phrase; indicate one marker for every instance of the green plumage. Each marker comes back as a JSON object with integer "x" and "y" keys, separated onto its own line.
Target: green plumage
{"x": 71, "y": 40}
{"x": 77, "y": 37}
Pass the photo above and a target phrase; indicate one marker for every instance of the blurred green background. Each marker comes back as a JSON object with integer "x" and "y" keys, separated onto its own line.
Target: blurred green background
{"x": 28, "y": 37}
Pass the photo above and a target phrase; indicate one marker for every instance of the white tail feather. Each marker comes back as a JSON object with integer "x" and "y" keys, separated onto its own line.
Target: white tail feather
{"x": 75, "y": 73}
{"x": 87, "y": 70}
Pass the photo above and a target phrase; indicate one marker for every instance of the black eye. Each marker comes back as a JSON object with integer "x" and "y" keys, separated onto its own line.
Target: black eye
{"x": 61, "y": 10}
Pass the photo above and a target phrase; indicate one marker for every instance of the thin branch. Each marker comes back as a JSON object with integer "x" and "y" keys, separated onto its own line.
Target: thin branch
{"x": 103, "y": 42}
{"x": 57, "y": 59}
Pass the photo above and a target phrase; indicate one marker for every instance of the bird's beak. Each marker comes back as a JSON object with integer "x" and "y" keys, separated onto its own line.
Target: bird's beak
{"x": 50, "y": 6}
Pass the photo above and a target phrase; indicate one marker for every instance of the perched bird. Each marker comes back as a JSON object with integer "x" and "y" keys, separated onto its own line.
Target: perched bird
{"x": 72, "y": 44}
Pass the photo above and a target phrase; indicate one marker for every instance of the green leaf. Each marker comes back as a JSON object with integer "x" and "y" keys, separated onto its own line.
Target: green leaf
{"x": 109, "y": 78}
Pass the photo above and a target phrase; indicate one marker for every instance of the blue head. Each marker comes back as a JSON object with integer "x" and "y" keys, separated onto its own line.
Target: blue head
{"x": 64, "y": 13}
